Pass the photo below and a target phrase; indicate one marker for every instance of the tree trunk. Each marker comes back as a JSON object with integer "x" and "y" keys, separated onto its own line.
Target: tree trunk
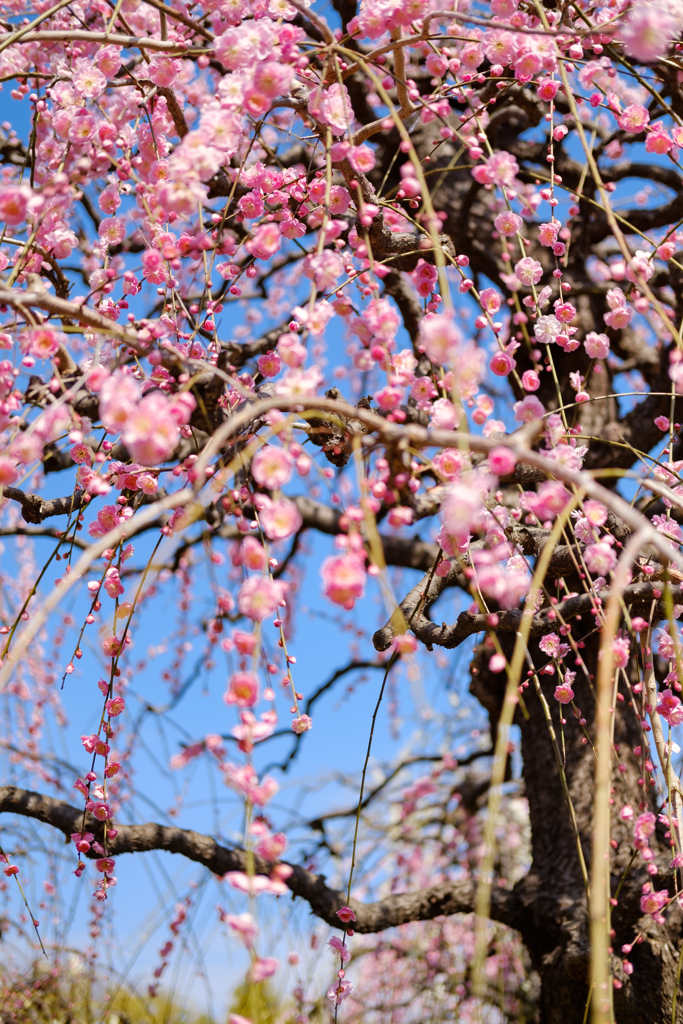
{"x": 554, "y": 921}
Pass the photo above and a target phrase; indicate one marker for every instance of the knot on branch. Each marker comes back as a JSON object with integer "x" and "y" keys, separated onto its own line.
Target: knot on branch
{"x": 335, "y": 436}
{"x": 402, "y": 249}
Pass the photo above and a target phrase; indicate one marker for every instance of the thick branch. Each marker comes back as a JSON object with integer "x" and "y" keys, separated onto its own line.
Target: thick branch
{"x": 34, "y": 508}
{"x": 444, "y": 898}
{"x": 639, "y": 595}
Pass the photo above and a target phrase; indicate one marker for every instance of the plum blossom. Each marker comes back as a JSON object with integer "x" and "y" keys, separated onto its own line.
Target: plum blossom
{"x": 14, "y": 203}
{"x": 272, "y": 467}
{"x": 670, "y": 708}
{"x": 666, "y": 644}
{"x": 340, "y": 991}
{"x": 280, "y": 519}
{"x": 508, "y": 223}
{"x": 596, "y": 345}
{"x": 251, "y": 730}
{"x": 649, "y": 29}
{"x": 551, "y": 645}
{"x": 344, "y": 578}
{"x": 440, "y": 338}
{"x": 260, "y": 596}
{"x": 462, "y": 505}
{"x": 600, "y": 558}
{"x": 339, "y": 949}
{"x": 243, "y": 690}
{"x": 634, "y": 118}
{"x": 44, "y": 342}
{"x": 263, "y": 968}
{"x": 564, "y": 693}
{"x": 245, "y": 780}
{"x": 345, "y": 914}
{"x": 529, "y": 409}
{"x": 301, "y": 724}
{"x": 528, "y": 271}
{"x": 151, "y": 431}
{"x": 498, "y": 169}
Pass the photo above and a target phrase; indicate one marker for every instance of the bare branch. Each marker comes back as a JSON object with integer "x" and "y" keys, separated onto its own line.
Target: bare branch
{"x": 34, "y": 508}
{"x": 637, "y": 596}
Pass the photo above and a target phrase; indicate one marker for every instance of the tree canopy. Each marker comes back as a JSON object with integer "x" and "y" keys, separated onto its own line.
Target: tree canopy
{"x": 341, "y": 505}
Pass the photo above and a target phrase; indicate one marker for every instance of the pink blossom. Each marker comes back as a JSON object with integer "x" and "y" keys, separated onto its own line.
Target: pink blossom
{"x": 618, "y": 318}
{"x": 667, "y": 644}
{"x": 344, "y": 578}
{"x": 337, "y": 947}
{"x": 449, "y": 463}
{"x": 151, "y": 431}
{"x": 252, "y": 731}
{"x": 508, "y": 223}
{"x": 564, "y": 693}
{"x": 301, "y": 724}
{"x": 499, "y": 169}
{"x": 461, "y": 507}
{"x": 621, "y": 647}
{"x": 8, "y": 471}
{"x": 634, "y": 118}
{"x": 246, "y": 643}
{"x": 253, "y": 554}
{"x": 243, "y": 690}
{"x": 271, "y": 467}
{"x": 263, "y": 968}
{"x": 547, "y": 233}
{"x": 332, "y": 107}
{"x": 600, "y": 558}
{"x": 501, "y": 364}
{"x": 269, "y": 365}
{"x": 648, "y": 30}
{"x": 653, "y": 902}
{"x": 115, "y": 706}
{"x": 345, "y": 914}
{"x": 14, "y": 200}
{"x": 670, "y": 708}
{"x": 528, "y": 271}
{"x": 245, "y": 780}
{"x": 260, "y": 596}
{"x": 243, "y": 924}
{"x": 643, "y": 829}
{"x": 444, "y": 415}
{"x": 362, "y": 159}
{"x": 501, "y": 461}
{"x": 529, "y": 409}
{"x": 88, "y": 79}
{"x": 551, "y": 645}
{"x": 401, "y": 515}
{"x": 596, "y": 345}
{"x": 280, "y": 519}
{"x": 254, "y": 884}
{"x": 265, "y": 241}
{"x": 44, "y": 342}
{"x": 658, "y": 141}
{"x": 530, "y": 380}
{"x": 340, "y": 991}
{"x": 440, "y": 338}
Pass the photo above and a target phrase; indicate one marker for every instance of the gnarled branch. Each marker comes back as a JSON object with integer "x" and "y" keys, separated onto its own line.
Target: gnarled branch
{"x": 456, "y": 897}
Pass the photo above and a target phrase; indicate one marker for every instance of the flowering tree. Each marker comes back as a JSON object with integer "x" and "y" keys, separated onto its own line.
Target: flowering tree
{"x": 402, "y": 279}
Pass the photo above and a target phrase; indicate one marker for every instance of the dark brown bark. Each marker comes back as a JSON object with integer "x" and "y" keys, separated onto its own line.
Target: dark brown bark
{"x": 555, "y": 923}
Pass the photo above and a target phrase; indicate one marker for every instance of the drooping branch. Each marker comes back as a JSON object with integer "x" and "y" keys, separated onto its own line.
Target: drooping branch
{"x": 445, "y": 898}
